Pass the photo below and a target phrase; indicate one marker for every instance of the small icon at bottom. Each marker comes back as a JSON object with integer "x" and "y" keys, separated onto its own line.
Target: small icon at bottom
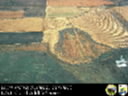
{"x": 122, "y": 89}
{"x": 111, "y": 90}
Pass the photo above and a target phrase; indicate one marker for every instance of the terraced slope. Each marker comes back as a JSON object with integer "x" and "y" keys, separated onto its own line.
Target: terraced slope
{"x": 84, "y": 37}
{"x": 105, "y": 26}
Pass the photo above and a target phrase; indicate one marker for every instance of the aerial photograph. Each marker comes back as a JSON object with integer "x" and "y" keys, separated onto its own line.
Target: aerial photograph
{"x": 63, "y": 41}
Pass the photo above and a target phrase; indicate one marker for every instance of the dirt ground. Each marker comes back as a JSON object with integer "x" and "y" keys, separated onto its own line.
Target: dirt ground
{"x": 11, "y": 14}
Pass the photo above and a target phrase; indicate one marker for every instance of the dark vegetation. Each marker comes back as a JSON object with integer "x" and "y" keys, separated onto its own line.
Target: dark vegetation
{"x": 36, "y": 67}
{"x": 22, "y": 38}
{"x": 31, "y": 7}
{"x": 120, "y": 2}
{"x": 32, "y": 67}
{"x": 103, "y": 69}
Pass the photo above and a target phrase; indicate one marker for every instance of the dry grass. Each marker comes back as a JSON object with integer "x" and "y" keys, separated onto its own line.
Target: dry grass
{"x": 31, "y": 47}
{"x": 62, "y": 11}
{"x": 78, "y": 2}
{"x": 21, "y": 25}
{"x": 103, "y": 27}
{"x": 122, "y": 10}
{"x": 99, "y": 23}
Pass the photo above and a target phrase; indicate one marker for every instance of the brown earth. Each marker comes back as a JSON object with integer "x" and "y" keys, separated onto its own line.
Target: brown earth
{"x": 76, "y": 48}
{"x": 78, "y": 2}
{"x": 11, "y": 14}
